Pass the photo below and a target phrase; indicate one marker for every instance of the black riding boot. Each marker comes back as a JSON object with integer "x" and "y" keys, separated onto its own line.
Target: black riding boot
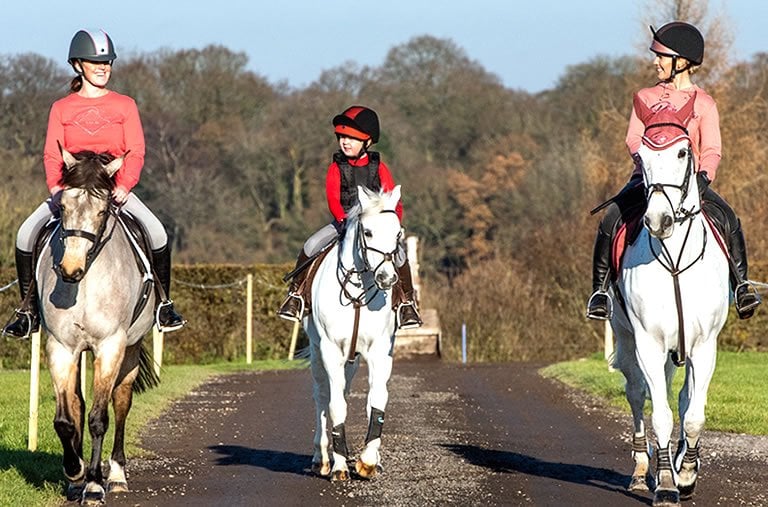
{"x": 407, "y": 314}
{"x": 747, "y": 298}
{"x": 27, "y": 316}
{"x": 600, "y": 306}
{"x": 167, "y": 317}
{"x": 293, "y": 307}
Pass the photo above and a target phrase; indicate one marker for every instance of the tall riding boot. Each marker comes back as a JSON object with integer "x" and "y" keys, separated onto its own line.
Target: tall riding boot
{"x": 407, "y": 313}
{"x": 27, "y": 316}
{"x": 293, "y": 307}
{"x": 600, "y": 306}
{"x": 167, "y": 317}
{"x": 747, "y": 298}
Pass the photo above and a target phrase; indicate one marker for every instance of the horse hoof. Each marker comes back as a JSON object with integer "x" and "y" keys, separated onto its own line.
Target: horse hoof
{"x": 686, "y": 492}
{"x": 75, "y": 491}
{"x": 321, "y": 469}
{"x": 638, "y": 484}
{"x": 117, "y": 487}
{"x": 93, "y": 496}
{"x": 340, "y": 476}
{"x": 365, "y": 470}
{"x": 666, "y": 498}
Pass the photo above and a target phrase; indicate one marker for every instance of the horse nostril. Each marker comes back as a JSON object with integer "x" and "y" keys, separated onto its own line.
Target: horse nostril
{"x": 667, "y": 222}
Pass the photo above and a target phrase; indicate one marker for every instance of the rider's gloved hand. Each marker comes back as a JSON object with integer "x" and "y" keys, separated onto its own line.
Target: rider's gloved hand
{"x": 702, "y": 179}
{"x": 54, "y": 203}
{"x": 341, "y": 226}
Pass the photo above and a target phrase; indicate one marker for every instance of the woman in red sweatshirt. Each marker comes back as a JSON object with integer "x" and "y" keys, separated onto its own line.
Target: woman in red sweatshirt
{"x": 357, "y": 128}
{"x": 96, "y": 119}
{"x": 679, "y": 50}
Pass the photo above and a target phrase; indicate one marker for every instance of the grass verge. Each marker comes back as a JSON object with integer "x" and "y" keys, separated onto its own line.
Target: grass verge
{"x": 35, "y": 478}
{"x": 736, "y": 400}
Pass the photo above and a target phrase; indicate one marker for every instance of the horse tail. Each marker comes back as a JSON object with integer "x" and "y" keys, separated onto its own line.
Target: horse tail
{"x": 147, "y": 377}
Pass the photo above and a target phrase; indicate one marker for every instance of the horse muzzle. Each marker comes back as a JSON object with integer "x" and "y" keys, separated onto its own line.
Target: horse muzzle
{"x": 384, "y": 280}
{"x": 660, "y": 227}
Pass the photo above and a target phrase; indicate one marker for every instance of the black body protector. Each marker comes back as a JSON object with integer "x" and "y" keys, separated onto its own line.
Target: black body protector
{"x": 365, "y": 176}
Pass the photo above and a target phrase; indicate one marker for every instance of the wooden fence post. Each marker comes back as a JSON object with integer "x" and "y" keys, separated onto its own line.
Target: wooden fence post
{"x": 249, "y": 319}
{"x": 157, "y": 349}
{"x": 34, "y": 391}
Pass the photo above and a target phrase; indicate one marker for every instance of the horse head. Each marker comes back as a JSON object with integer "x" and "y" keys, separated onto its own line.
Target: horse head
{"x": 378, "y": 233}
{"x": 88, "y": 183}
{"x": 668, "y": 167}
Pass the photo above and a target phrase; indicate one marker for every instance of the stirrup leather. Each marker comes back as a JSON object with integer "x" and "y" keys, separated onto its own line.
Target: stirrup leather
{"x": 609, "y": 305}
{"x": 160, "y": 326}
{"x": 289, "y": 316}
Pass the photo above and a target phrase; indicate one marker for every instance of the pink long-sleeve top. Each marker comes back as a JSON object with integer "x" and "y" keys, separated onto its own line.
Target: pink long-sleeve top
{"x": 106, "y": 124}
{"x": 703, "y": 128}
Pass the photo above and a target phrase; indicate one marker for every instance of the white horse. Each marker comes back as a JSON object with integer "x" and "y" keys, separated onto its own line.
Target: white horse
{"x": 352, "y": 316}
{"x": 675, "y": 290}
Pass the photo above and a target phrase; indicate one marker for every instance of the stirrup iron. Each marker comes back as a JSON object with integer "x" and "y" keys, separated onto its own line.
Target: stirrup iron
{"x": 162, "y": 328}
{"x": 609, "y": 305}
{"x": 292, "y": 317}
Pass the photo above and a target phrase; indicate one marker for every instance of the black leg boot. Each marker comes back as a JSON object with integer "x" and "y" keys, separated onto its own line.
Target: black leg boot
{"x": 747, "y": 298}
{"x": 600, "y": 306}
{"x": 27, "y": 319}
{"x": 407, "y": 313}
{"x": 293, "y": 307}
{"x": 167, "y": 317}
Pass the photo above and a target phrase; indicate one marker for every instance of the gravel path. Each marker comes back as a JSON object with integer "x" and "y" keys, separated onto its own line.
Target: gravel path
{"x": 460, "y": 435}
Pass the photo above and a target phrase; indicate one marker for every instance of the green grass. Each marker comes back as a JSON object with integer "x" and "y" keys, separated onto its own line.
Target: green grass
{"x": 36, "y": 478}
{"x": 736, "y": 400}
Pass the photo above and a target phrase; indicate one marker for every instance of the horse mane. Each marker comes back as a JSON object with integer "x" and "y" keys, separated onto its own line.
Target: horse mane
{"x": 89, "y": 173}
{"x": 378, "y": 201}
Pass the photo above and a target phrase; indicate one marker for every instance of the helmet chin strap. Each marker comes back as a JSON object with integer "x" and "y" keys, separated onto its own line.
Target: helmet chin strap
{"x": 675, "y": 71}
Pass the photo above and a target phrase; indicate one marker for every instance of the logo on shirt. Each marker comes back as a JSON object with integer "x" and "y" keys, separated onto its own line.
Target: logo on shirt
{"x": 91, "y": 121}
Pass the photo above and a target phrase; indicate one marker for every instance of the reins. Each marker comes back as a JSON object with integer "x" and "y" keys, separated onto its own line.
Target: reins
{"x": 664, "y": 257}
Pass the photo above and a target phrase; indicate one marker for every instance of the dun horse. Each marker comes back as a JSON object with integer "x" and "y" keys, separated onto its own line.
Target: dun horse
{"x": 352, "y": 317}
{"x": 93, "y": 296}
{"x": 674, "y": 286}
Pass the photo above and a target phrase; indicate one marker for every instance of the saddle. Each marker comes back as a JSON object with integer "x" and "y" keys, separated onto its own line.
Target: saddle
{"x": 628, "y": 232}
{"x": 305, "y": 287}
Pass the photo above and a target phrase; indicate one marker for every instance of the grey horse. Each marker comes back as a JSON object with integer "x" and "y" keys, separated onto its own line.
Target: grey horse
{"x": 91, "y": 291}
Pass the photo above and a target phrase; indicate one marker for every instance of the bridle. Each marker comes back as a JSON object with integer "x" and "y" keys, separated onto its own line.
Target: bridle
{"x": 344, "y": 276}
{"x": 664, "y": 256}
{"x": 98, "y": 239}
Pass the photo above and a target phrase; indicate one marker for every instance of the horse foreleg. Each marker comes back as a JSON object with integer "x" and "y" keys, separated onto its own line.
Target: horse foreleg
{"x": 692, "y": 401}
{"x": 122, "y": 398}
{"x": 333, "y": 362}
{"x": 379, "y": 371}
{"x": 106, "y": 366}
{"x": 69, "y": 419}
{"x": 321, "y": 461}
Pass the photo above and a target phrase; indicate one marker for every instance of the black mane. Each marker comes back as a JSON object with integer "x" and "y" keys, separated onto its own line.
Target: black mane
{"x": 89, "y": 173}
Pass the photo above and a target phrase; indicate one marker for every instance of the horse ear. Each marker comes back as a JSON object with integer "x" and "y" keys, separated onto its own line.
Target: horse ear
{"x": 685, "y": 113}
{"x": 113, "y": 166}
{"x": 641, "y": 110}
{"x": 364, "y": 196}
{"x": 69, "y": 159}
{"x": 395, "y": 196}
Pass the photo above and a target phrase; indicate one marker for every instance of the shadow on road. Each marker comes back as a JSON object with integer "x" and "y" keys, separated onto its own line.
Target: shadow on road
{"x": 276, "y": 461}
{"x": 511, "y": 462}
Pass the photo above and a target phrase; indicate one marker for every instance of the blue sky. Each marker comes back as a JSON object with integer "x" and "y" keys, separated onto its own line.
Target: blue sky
{"x": 527, "y": 44}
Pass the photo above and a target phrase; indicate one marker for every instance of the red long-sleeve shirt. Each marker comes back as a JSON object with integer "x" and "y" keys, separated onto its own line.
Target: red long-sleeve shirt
{"x": 106, "y": 124}
{"x": 703, "y": 129}
{"x": 333, "y": 186}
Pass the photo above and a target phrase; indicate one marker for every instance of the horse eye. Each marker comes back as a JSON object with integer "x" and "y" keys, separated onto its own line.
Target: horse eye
{"x": 368, "y": 233}
{"x": 681, "y": 153}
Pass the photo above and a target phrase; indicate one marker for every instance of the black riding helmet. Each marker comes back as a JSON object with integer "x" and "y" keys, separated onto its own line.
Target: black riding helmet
{"x": 95, "y": 46}
{"x": 358, "y": 122}
{"x": 679, "y": 39}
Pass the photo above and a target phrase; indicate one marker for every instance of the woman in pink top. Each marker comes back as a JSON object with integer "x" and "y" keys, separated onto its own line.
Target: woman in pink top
{"x": 95, "y": 119}
{"x": 679, "y": 50}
